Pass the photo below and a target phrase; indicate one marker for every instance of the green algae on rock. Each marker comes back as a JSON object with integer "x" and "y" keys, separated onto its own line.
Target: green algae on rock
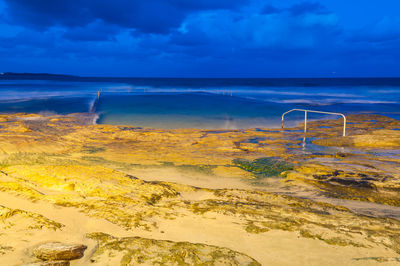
{"x": 264, "y": 167}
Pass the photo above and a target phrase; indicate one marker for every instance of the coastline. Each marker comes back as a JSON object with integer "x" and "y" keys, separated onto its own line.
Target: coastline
{"x": 265, "y": 196}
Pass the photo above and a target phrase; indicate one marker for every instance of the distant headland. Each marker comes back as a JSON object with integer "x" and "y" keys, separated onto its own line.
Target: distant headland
{"x": 30, "y": 76}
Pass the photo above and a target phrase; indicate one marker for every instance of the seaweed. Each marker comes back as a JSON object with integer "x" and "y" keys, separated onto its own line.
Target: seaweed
{"x": 264, "y": 167}
{"x": 91, "y": 150}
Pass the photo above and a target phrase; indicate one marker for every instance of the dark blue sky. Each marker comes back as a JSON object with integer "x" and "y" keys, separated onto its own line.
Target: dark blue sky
{"x": 204, "y": 38}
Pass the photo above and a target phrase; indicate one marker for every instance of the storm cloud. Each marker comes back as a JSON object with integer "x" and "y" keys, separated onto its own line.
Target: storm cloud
{"x": 231, "y": 38}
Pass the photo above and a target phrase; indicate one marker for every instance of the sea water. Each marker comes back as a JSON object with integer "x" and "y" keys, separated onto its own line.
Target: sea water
{"x": 198, "y": 103}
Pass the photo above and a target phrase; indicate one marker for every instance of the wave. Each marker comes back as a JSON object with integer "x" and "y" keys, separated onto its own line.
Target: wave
{"x": 394, "y": 91}
{"x": 92, "y": 105}
{"x": 94, "y": 118}
{"x": 302, "y": 101}
{"x": 241, "y": 91}
{"x": 295, "y": 93}
{"x": 369, "y": 101}
{"x": 333, "y": 101}
{"x": 22, "y": 96}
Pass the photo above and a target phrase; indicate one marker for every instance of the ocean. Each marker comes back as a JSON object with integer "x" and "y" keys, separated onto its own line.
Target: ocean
{"x": 198, "y": 103}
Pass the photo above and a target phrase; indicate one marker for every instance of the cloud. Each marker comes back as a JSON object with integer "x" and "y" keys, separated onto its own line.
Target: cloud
{"x": 210, "y": 34}
{"x": 196, "y": 28}
{"x": 277, "y": 29}
{"x": 385, "y": 30}
{"x": 191, "y": 38}
{"x": 306, "y": 8}
{"x": 269, "y": 9}
{"x": 94, "y": 31}
{"x": 150, "y": 16}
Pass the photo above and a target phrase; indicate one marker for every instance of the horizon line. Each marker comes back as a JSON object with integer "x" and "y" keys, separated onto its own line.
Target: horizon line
{"x": 2, "y": 74}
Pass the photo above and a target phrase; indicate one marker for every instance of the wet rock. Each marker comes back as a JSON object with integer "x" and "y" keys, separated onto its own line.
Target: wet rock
{"x": 376, "y": 139}
{"x": 354, "y": 183}
{"x": 59, "y": 251}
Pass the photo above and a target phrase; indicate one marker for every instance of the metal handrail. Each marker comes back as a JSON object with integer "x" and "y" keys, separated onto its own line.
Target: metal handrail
{"x": 320, "y": 112}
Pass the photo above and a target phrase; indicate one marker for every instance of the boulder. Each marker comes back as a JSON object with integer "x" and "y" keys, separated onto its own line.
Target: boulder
{"x": 59, "y": 251}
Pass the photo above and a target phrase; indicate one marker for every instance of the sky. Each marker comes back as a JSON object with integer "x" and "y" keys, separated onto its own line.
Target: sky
{"x": 203, "y": 38}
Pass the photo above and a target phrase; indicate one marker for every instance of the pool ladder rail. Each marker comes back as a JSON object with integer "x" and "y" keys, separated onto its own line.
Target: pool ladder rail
{"x": 319, "y": 112}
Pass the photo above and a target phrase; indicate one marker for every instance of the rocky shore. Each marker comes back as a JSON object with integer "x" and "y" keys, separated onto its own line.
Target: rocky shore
{"x": 79, "y": 194}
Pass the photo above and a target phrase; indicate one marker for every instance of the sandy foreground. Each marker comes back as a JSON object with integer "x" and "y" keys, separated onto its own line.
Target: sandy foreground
{"x": 189, "y": 197}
